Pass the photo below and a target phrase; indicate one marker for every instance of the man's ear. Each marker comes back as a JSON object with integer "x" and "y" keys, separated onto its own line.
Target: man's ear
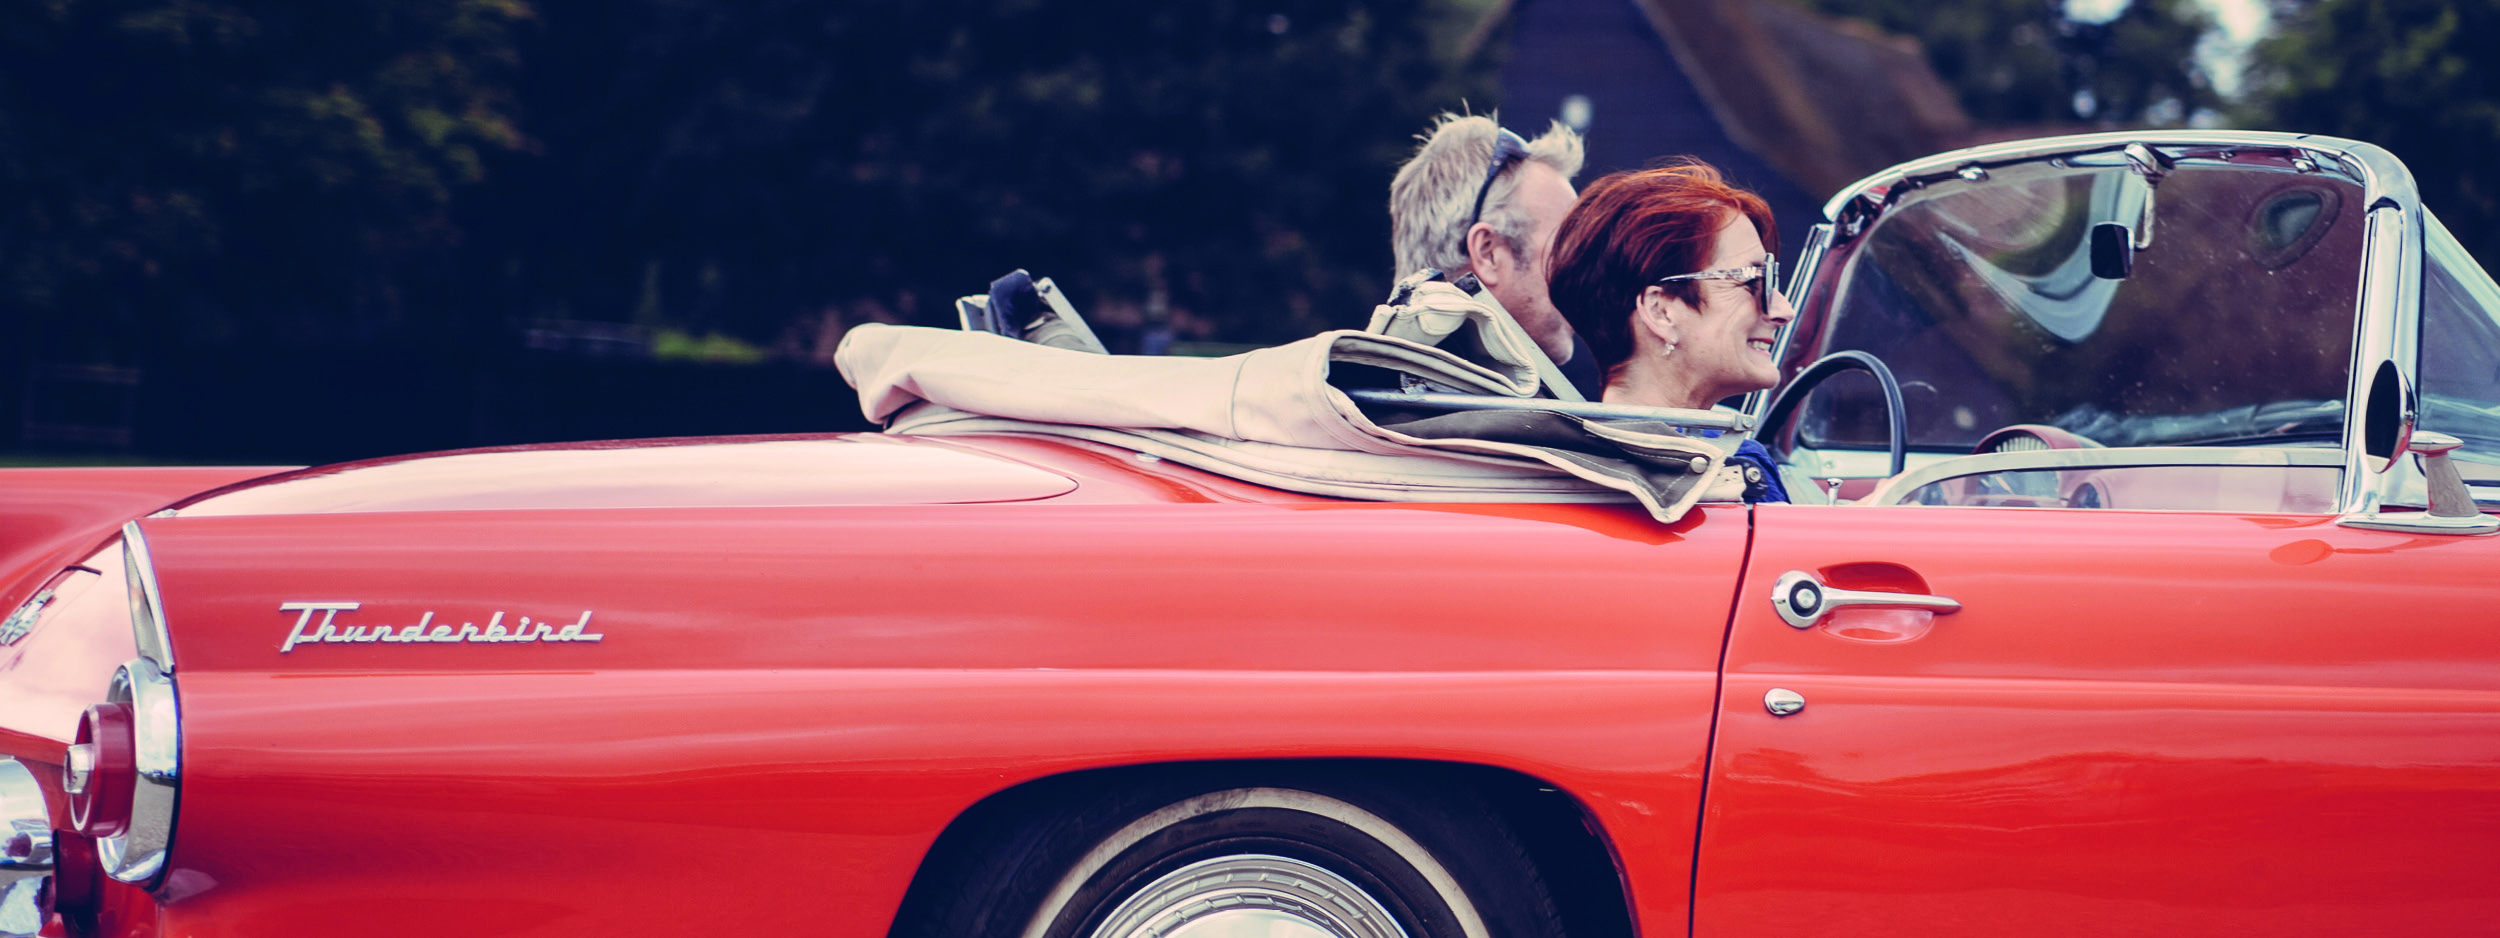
{"x": 1486, "y": 252}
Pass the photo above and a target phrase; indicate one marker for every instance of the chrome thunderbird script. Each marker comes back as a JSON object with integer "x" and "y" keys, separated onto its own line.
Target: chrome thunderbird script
{"x": 329, "y": 630}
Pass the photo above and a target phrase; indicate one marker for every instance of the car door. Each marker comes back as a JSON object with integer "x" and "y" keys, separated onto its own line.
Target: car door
{"x": 2136, "y": 723}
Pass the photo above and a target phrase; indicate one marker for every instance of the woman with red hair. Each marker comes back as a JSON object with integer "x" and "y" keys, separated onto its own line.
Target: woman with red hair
{"x": 1667, "y": 275}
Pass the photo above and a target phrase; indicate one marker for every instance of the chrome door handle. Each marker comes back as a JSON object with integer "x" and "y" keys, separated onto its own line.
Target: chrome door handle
{"x": 1802, "y": 600}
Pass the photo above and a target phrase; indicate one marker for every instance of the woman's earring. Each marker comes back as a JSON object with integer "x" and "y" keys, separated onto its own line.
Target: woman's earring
{"x": 1675, "y": 336}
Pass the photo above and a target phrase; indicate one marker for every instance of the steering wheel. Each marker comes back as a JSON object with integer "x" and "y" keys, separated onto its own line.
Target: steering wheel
{"x": 1823, "y": 368}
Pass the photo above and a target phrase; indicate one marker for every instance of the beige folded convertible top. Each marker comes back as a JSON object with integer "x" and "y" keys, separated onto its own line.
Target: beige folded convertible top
{"x": 1278, "y": 416}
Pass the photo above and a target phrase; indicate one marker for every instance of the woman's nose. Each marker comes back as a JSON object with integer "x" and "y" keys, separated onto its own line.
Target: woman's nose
{"x": 1779, "y": 310}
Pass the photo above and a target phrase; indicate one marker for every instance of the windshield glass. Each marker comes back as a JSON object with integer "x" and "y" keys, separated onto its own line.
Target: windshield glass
{"x": 2232, "y": 321}
{"x": 2460, "y": 349}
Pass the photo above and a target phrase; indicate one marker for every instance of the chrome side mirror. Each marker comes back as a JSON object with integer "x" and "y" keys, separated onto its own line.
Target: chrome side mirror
{"x": 2452, "y": 509}
{"x": 2388, "y": 416}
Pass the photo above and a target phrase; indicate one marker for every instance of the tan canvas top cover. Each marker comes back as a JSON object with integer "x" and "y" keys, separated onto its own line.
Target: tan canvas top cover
{"x": 1273, "y": 417}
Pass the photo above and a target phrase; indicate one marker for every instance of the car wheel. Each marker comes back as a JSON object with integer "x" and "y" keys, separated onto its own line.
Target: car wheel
{"x": 1351, "y": 861}
{"x": 1253, "y": 895}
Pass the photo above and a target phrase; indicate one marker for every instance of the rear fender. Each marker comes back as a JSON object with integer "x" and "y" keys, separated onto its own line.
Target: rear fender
{"x": 50, "y": 517}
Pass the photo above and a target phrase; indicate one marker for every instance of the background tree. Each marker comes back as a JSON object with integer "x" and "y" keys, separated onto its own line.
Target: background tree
{"x": 2409, "y": 75}
{"x": 450, "y": 171}
{"x": 199, "y": 171}
{"x": 775, "y": 168}
{"x": 2016, "y": 62}
{"x": 370, "y": 216}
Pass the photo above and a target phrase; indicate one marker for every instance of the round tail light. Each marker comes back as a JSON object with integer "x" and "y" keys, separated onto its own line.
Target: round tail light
{"x": 99, "y": 770}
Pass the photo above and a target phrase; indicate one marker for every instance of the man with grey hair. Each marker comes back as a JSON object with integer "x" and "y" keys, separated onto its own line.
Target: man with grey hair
{"x": 1479, "y": 199}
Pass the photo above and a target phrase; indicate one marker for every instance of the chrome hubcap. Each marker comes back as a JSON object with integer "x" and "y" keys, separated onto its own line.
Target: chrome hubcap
{"x": 1251, "y": 896}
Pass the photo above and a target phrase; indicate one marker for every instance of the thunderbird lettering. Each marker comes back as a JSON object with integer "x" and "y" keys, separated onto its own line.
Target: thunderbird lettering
{"x": 425, "y": 630}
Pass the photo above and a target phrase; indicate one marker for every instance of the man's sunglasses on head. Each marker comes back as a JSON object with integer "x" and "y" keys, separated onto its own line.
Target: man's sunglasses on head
{"x": 1508, "y": 148}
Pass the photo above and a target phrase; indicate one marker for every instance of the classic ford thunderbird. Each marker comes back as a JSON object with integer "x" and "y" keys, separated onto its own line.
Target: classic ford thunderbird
{"x": 2136, "y": 580}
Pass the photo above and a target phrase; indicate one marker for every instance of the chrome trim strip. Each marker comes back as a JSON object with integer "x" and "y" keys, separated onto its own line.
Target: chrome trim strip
{"x": 2423, "y": 522}
{"x": 1895, "y": 490}
{"x": 2387, "y": 330}
{"x": 138, "y": 855}
{"x": 1702, "y": 419}
{"x": 147, "y": 606}
{"x": 2382, "y": 175}
{"x": 1809, "y": 257}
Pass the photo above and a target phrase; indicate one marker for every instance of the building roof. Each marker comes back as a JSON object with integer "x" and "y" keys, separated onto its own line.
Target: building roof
{"x": 1821, "y": 100}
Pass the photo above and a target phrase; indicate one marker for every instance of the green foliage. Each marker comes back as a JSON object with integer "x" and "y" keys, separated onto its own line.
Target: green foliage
{"x": 359, "y": 171}
{"x": 782, "y": 163}
{"x": 713, "y": 347}
{"x": 2024, "y": 62}
{"x": 2409, "y": 75}
{"x": 195, "y": 169}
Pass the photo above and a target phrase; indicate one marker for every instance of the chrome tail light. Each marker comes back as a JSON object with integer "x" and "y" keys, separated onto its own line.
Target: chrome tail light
{"x": 123, "y": 772}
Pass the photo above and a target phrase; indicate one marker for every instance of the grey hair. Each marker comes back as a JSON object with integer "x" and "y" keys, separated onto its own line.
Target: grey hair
{"x": 1432, "y": 194}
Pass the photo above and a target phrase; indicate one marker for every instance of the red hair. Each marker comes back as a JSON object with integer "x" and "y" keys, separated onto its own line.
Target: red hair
{"x": 1628, "y": 230}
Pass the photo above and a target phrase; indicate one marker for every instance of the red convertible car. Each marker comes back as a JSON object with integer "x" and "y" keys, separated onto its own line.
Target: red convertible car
{"x": 2134, "y": 582}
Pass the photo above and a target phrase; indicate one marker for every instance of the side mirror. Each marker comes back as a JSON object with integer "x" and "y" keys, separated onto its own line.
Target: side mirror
{"x": 2387, "y": 418}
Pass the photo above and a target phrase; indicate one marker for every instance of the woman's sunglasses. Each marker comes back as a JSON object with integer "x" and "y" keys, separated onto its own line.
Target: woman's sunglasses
{"x": 1760, "y": 278}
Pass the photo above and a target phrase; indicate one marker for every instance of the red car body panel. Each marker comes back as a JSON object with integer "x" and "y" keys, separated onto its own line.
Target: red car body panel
{"x": 796, "y": 701}
{"x": 52, "y": 517}
{"x": 53, "y": 674}
{"x": 2116, "y": 728}
{"x": 772, "y": 471}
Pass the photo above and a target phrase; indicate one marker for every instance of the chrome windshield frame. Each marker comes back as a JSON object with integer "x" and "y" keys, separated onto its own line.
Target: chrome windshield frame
{"x": 2386, "y": 324}
{"x": 1809, "y": 256}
